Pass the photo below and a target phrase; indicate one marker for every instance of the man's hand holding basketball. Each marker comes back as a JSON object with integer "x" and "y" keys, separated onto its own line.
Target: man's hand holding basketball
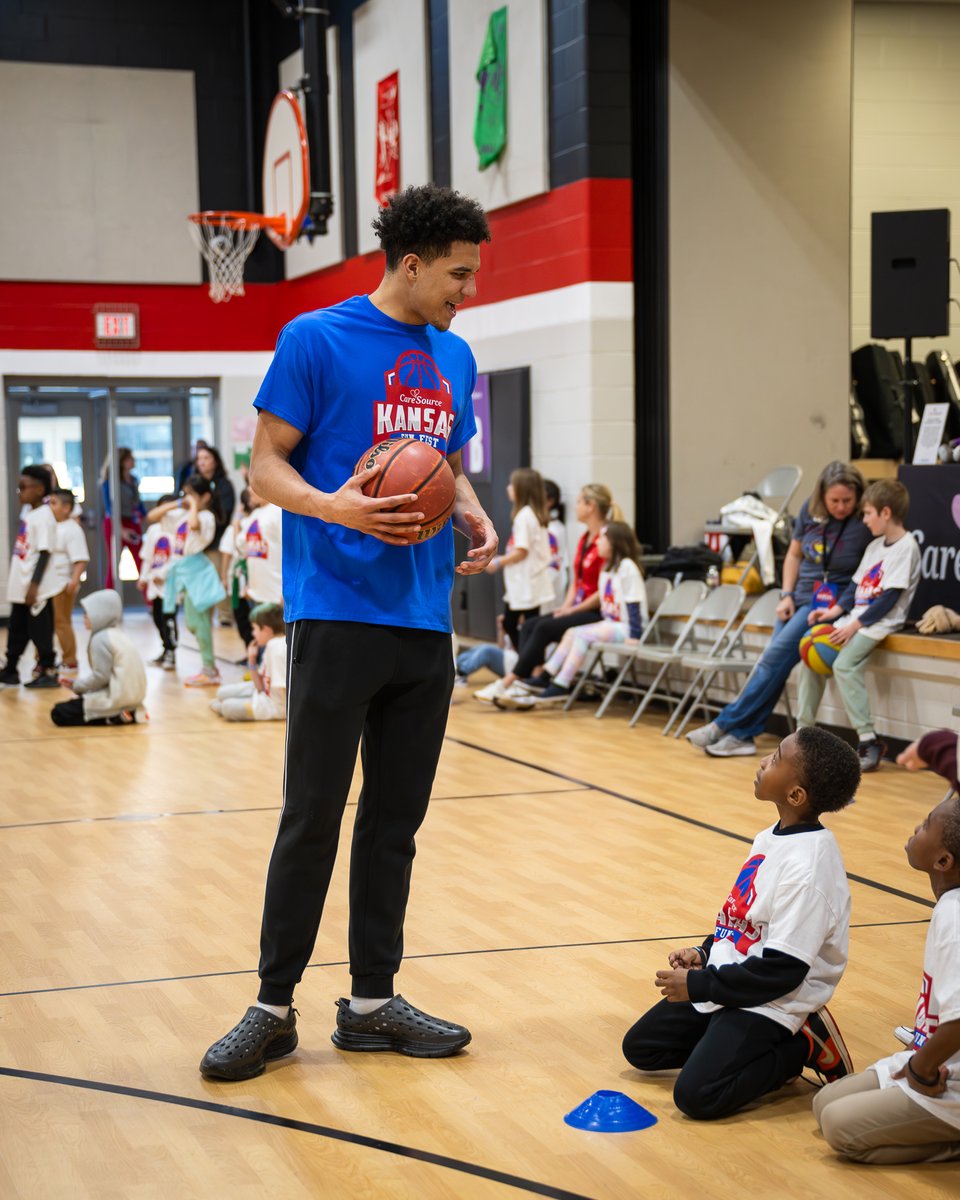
{"x": 673, "y": 985}
{"x": 348, "y": 506}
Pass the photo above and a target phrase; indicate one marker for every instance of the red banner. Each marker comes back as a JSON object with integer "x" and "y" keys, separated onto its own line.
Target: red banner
{"x": 387, "y": 174}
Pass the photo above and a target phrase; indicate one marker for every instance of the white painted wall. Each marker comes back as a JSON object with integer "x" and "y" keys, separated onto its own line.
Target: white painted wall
{"x": 759, "y": 245}
{"x": 99, "y": 173}
{"x": 390, "y": 35}
{"x": 302, "y": 258}
{"x": 906, "y": 135}
{"x": 523, "y": 168}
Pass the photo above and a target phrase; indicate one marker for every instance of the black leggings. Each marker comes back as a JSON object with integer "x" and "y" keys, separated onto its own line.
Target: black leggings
{"x": 541, "y": 632}
{"x": 727, "y": 1058}
{"x": 166, "y": 624}
{"x": 70, "y": 712}
{"x": 387, "y": 690}
{"x": 25, "y": 628}
{"x": 515, "y": 619}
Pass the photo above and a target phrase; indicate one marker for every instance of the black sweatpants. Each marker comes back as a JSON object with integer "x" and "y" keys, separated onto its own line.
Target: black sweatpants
{"x": 70, "y": 712}
{"x": 387, "y": 690}
{"x": 540, "y": 632}
{"x": 727, "y": 1058}
{"x": 166, "y": 624}
{"x": 241, "y": 614}
{"x": 515, "y": 619}
{"x": 25, "y": 628}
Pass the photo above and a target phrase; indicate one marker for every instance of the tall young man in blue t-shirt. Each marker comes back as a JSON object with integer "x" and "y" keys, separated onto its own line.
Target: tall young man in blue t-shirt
{"x": 368, "y": 619}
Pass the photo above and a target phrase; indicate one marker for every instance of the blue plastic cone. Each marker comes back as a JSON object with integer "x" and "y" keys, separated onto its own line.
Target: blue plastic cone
{"x": 610, "y": 1112}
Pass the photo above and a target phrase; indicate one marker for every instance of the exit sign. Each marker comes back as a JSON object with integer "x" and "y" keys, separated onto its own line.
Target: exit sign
{"x": 116, "y": 326}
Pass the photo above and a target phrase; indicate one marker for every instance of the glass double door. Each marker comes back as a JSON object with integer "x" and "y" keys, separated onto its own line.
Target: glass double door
{"x": 76, "y": 427}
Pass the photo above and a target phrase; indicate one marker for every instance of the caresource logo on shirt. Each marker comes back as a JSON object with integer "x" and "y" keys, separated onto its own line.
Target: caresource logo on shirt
{"x": 609, "y": 607}
{"x": 925, "y": 1025}
{"x": 732, "y": 921}
{"x": 22, "y": 546}
{"x": 180, "y": 543}
{"x": 871, "y": 585}
{"x": 418, "y": 402}
{"x": 256, "y": 543}
{"x": 161, "y": 552}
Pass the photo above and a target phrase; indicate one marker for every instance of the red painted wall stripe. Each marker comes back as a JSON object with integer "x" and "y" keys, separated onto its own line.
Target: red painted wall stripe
{"x": 574, "y": 234}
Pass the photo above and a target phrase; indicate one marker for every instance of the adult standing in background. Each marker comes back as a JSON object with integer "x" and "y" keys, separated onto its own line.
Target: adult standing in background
{"x": 368, "y": 612}
{"x": 132, "y": 510}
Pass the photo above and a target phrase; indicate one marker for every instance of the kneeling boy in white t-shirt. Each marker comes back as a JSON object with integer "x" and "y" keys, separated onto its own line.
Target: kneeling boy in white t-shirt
{"x": 264, "y": 696}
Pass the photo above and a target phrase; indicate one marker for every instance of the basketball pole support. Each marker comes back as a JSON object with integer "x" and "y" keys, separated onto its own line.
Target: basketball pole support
{"x": 315, "y": 89}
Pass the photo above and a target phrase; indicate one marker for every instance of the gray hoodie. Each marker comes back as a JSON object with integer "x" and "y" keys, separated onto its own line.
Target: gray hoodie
{"x": 116, "y": 680}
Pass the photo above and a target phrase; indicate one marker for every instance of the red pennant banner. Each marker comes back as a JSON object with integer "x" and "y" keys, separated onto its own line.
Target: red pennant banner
{"x": 387, "y": 177}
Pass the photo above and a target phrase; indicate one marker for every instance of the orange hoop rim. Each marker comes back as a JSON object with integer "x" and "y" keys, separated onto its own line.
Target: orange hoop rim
{"x": 237, "y": 219}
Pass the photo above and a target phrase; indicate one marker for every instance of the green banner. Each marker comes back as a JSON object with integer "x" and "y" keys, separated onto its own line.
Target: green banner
{"x": 490, "y": 126}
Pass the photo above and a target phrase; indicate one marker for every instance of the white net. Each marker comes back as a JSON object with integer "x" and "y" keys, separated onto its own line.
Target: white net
{"x": 225, "y": 245}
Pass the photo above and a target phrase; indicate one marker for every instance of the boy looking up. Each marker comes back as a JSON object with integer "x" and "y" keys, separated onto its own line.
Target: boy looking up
{"x": 875, "y": 603}
{"x": 745, "y": 1012}
{"x": 906, "y": 1108}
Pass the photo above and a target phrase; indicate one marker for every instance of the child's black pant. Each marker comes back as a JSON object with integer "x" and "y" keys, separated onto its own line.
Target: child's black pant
{"x": 70, "y": 712}
{"x": 387, "y": 690}
{"x": 727, "y": 1058}
{"x": 166, "y": 624}
{"x": 538, "y": 633}
{"x": 25, "y": 628}
{"x": 241, "y": 614}
{"x": 514, "y": 619}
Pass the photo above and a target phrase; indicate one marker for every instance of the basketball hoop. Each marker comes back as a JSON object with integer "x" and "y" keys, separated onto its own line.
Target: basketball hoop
{"x": 226, "y": 239}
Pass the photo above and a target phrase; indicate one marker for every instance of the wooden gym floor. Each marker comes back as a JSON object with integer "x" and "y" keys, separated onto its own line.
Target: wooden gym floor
{"x": 562, "y": 858}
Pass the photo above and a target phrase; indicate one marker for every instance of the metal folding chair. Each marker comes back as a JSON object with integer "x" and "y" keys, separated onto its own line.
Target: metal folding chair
{"x": 657, "y": 588}
{"x": 776, "y": 489}
{"x": 679, "y": 604}
{"x": 731, "y": 658}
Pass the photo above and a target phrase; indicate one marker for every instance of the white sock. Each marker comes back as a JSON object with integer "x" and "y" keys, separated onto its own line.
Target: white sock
{"x": 867, "y": 737}
{"x": 363, "y": 1005}
{"x": 279, "y": 1010}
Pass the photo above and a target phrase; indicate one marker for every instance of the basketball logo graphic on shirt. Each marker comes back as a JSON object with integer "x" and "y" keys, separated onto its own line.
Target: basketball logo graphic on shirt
{"x": 161, "y": 553}
{"x": 925, "y": 1025}
{"x": 418, "y": 402}
{"x": 609, "y": 608}
{"x": 555, "y": 563}
{"x": 732, "y": 921}
{"x": 180, "y": 542}
{"x": 871, "y": 585}
{"x": 22, "y": 546}
{"x": 256, "y": 544}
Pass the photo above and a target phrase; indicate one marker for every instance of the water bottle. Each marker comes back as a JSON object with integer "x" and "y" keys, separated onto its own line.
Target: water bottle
{"x": 713, "y": 576}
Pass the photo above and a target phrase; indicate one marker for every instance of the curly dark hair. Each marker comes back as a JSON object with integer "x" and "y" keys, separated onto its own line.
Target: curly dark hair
{"x": 951, "y": 830}
{"x": 827, "y": 768}
{"x": 40, "y": 474}
{"x": 426, "y": 221}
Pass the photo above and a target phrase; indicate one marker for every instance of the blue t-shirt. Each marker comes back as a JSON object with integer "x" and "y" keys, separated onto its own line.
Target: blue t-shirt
{"x": 842, "y": 543}
{"x": 347, "y": 377}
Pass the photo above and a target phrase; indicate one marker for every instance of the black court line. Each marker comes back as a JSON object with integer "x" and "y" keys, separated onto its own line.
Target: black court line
{"x": 672, "y": 938}
{"x": 676, "y": 816}
{"x": 213, "y": 812}
{"x": 326, "y": 1131}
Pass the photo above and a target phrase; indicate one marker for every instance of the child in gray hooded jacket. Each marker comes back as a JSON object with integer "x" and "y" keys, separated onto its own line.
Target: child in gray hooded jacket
{"x": 113, "y": 690}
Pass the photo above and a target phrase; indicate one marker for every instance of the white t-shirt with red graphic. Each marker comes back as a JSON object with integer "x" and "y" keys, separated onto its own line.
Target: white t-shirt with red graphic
{"x": 185, "y": 541}
{"x": 791, "y": 895}
{"x": 260, "y": 542}
{"x": 156, "y": 551}
{"x": 36, "y": 533}
{"x": 69, "y": 548}
{"x": 622, "y": 587}
{"x": 939, "y": 1002}
{"x": 271, "y": 703}
{"x": 528, "y": 584}
{"x": 883, "y": 567}
{"x": 558, "y": 566}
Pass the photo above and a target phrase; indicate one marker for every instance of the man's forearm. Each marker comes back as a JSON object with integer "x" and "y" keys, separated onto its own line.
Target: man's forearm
{"x": 467, "y": 501}
{"x": 273, "y": 478}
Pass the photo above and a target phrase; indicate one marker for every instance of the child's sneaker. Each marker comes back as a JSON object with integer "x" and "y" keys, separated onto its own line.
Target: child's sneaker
{"x": 203, "y": 679}
{"x": 730, "y": 747}
{"x": 168, "y": 660}
{"x": 9, "y": 679}
{"x": 159, "y": 660}
{"x": 903, "y": 1033}
{"x": 551, "y": 695}
{"x": 490, "y": 693}
{"x": 517, "y": 695}
{"x": 827, "y": 1055}
{"x": 127, "y": 717}
{"x": 46, "y": 679}
{"x": 705, "y": 736}
{"x": 870, "y": 753}
{"x": 69, "y": 670}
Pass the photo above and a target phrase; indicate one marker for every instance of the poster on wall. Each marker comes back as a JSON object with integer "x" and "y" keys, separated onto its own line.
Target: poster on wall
{"x": 387, "y": 173}
{"x": 478, "y": 452}
{"x": 490, "y": 125}
{"x": 934, "y": 520}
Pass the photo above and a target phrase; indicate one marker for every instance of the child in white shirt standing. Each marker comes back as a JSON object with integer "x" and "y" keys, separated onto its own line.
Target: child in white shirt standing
{"x": 70, "y": 558}
{"x": 876, "y": 603}
{"x": 156, "y": 551}
{"x": 557, "y": 533}
{"x": 527, "y": 581}
{"x": 623, "y": 611}
{"x": 264, "y": 696}
{"x": 31, "y": 584}
{"x": 260, "y": 545}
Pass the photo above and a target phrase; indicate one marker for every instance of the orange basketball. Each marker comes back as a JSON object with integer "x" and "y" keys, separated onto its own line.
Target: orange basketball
{"x": 407, "y": 466}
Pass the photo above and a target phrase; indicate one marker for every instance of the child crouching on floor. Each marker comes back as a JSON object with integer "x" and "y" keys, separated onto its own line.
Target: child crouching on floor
{"x": 113, "y": 690}
{"x": 745, "y": 1012}
{"x": 264, "y": 696}
{"x": 906, "y": 1108}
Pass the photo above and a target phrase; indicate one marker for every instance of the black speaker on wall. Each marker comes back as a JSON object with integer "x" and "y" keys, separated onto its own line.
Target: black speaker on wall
{"x": 910, "y": 273}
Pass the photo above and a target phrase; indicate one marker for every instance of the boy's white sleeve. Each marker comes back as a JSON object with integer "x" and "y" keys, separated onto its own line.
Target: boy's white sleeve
{"x": 78, "y": 550}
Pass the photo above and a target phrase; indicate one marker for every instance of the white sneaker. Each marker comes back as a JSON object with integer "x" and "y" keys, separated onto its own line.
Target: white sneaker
{"x": 517, "y": 695}
{"x": 705, "y": 736}
{"x": 491, "y": 692}
{"x": 730, "y": 747}
{"x": 903, "y": 1033}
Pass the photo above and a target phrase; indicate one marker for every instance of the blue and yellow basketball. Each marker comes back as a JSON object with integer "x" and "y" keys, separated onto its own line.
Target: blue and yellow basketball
{"x": 817, "y": 651}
